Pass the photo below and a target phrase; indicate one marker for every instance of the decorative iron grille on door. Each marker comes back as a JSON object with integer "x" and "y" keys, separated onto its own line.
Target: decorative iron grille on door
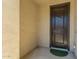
{"x": 59, "y": 25}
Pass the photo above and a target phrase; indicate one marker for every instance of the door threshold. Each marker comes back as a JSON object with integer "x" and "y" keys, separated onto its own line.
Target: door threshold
{"x": 59, "y": 49}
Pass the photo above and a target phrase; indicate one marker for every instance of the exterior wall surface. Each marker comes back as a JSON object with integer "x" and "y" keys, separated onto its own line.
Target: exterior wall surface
{"x": 28, "y": 28}
{"x": 10, "y": 29}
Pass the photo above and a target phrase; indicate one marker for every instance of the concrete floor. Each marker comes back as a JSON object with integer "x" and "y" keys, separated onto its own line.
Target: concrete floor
{"x": 44, "y": 53}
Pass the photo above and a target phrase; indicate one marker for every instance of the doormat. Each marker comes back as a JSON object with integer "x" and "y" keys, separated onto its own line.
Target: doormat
{"x": 59, "y": 52}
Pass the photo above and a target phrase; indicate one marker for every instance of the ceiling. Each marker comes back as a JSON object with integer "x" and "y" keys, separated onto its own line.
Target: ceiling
{"x": 41, "y": 1}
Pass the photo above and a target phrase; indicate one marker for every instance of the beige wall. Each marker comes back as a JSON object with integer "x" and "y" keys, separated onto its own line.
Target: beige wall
{"x": 28, "y": 25}
{"x": 44, "y": 22}
{"x": 10, "y": 29}
{"x": 43, "y": 26}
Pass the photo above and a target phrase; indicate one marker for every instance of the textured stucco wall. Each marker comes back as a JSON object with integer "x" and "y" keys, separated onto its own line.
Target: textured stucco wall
{"x": 28, "y": 25}
{"x": 10, "y": 29}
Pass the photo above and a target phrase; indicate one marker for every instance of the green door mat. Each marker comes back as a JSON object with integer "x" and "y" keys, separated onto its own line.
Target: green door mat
{"x": 59, "y": 52}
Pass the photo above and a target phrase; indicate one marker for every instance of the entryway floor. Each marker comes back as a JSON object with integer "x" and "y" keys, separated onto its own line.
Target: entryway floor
{"x": 44, "y": 53}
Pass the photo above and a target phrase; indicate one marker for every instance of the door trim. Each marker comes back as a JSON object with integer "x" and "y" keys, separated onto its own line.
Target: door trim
{"x": 59, "y": 5}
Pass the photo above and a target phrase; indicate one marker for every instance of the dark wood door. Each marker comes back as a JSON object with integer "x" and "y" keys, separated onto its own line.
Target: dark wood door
{"x": 59, "y": 25}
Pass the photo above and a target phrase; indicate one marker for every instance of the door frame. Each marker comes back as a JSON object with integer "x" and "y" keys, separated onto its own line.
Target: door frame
{"x": 58, "y": 5}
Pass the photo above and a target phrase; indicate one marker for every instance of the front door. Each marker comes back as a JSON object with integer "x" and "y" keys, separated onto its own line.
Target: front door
{"x": 59, "y": 25}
